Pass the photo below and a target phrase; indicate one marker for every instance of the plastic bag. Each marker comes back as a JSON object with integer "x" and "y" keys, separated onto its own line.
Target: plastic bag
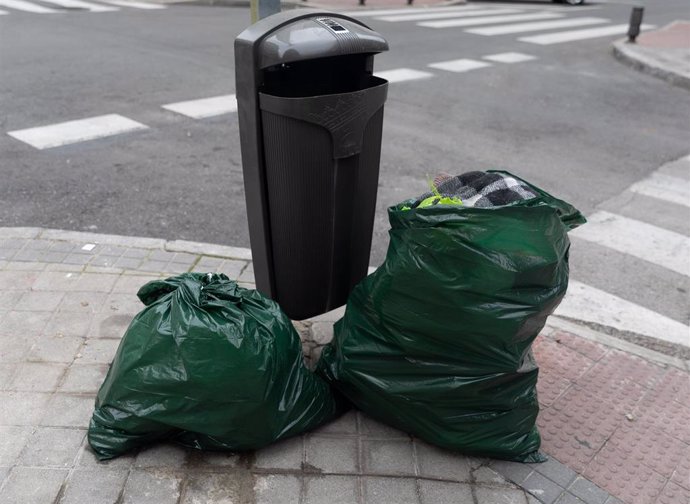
{"x": 209, "y": 365}
{"x": 437, "y": 341}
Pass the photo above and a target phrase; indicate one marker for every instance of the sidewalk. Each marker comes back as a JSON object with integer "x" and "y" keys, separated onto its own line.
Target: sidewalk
{"x": 664, "y": 53}
{"x": 614, "y": 424}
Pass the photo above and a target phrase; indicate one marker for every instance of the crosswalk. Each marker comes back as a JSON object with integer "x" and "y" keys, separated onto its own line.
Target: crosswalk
{"x": 499, "y": 20}
{"x": 62, "y": 6}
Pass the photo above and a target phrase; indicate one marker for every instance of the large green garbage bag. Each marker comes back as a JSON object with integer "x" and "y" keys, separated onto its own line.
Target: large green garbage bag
{"x": 436, "y": 341}
{"x": 209, "y": 365}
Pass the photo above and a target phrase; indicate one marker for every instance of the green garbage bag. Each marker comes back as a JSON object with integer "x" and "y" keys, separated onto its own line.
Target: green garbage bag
{"x": 209, "y": 365}
{"x": 437, "y": 341}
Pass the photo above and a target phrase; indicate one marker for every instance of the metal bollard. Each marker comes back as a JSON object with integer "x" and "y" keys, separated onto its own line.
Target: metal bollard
{"x": 635, "y": 22}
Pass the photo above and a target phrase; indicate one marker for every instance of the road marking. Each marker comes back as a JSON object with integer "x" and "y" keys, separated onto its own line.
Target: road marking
{"x": 70, "y": 132}
{"x": 134, "y": 5}
{"x": 403, "y": 74}
{"x": 79, "y": 4}
{"x": 26, "y": 6}
{"x": 205, "y": 107}
{"x": 414, "y": 10}
{"x": 543, "y": 25}
{"x": 2, "y": 12}
{"x": 459, "y": 65}
{"x": 647, "y": 242}
{"x": 569, "y": 36}
{"x": 446, "y": 15}
{"x": 451, "y": 23}
{"x": 664, "y": 187}
{"x": 509, "y": 57}
{"x": 589, "y": 304}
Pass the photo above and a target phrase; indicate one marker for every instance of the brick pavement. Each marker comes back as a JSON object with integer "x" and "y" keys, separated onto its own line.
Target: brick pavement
{"x": 612, "y": 421}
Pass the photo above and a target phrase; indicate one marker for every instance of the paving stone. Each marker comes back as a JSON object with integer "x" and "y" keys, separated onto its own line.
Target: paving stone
{"x": 568, "y": 498}
{"x": 27, "y": 255}
{"x": 487, "y": 475}
{"x": 38, "y": 376}
{"x": 184, "y": 258}
{"x": 286, "y": 454}
{"x": 82, "y": 302}
{"x": 4, "y": 472}
{"x": 62, "y": 246}
{"x": 500, "y": 496}
{"x": 49, "y": 446}
{"x": 9, "y": 299}
{"x": 135, "y": 253}
{"x": 555, "y": 358}
{"x": 543, "y": 488}
{"x": 25, "y": 266}
{"x": 389, "y": 490}
{"x": 22, "y": 408}
{"x": 514, "y": 471}
{"x": 130, "y": 284}
{"x": 394, "y": 457}
{"x": 104, "y": 261}
{"x": 112, "y": 250}
{"x": 7, "y": 372}
{"x": 87, "y": 458}
{"x": 17, "y": 323}
{"x": 673, "y": 494}
{"x": 105, "y": 325}
{"x": 66, "y": 410}
{"x": 588, "y": 491}
{"x": 218, "y": 459}
{"x": 212, "y": 489}
{"x": 161, "y": 455}
{"x": 55, "y": 281}
{"x": 95, "y": 486}
{"x": 670, "y": 417}
{"x": 210, "y": 263}
{"x": 155, "y": 487}
{"x": 441, "y": 492}
{"x": 55, "y": 349}
{"x": 681, "y": 475}
{"x": 69, "y": 324}
{"x": 12, "y": 441}
{"x": 65, "y": 268}
{"x": 555, "y": 471}
{"x": 435, "y": 462}
{"x": 322, "y": 332}
{"x": 126, "y": 302}
{"x": 332, "y": 489}
{"x": 38, "y": 244}
{"x": 131, "y": 263}
{"x": 95, "y": 282}
{"x": 156, "y": 266}
{"x": 84, "y": 378}
{"x": 344, "y": 425}
{"x": 371, "y": 428}
{"x": 277, "y": 489}
{"x": 18, "y": 280}
{"x": 247, "y": 274}
{"x": 97, "y": 351}
{"x": 80, "y": 259}
{"x": 15, "y": 348}
{"x": 332, "y": 455}
{"x": 32, "y": 485}
{"x": 55, "y": 257}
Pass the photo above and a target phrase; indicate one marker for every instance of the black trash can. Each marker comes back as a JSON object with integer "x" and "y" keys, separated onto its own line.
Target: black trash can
{"x": 310, "y": 116}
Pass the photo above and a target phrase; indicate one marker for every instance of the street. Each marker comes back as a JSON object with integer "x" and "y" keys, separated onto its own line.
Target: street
{"x": 559, "y": 112}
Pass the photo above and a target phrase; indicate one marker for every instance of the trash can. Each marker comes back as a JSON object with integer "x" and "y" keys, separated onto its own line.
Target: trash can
{"x": 310, "y": 116}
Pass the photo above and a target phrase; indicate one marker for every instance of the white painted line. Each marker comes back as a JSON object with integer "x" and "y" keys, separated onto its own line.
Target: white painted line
{"x": 446, "y": 15}
{"x": 650, "y": 243}
{"x": 205, "y": 107}
{"x": 451, "y": 23}
{"x": 403, "y": 74}
{"x": 459, "y": 65}
{"x": 569, "y": 36}
{"x": 134, "y": 5}
{"x": 620, "y": 314}
{"x": 80, "y": 4}
{"x": 81, "y": 130}
{"x": 664, "y": 187}
{"x": 413, "y": 10}
{"x": 26, "y": 6}
{"x": 509, "y": 57}
{"x": 543, "y": 25}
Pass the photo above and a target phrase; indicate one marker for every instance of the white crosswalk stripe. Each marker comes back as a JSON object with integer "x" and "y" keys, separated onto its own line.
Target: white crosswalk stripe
{"x": 460, "y": 65}
{"x": 445, "y": 15}
{"x": 664, "y": 187}
{"x": 509, "y": 57}
{"x": 205, "y": 107}
{"x": 134, "y": 5}
{"x": 81, "y": 4}
{"x": 21, "y": 5}
{"x": 62, "y": 6}
{"x": 570, "y": 36}
{"x": 452, "y": 23}
{"x": 536, "y": 26}
{"x": 413, "y": 10}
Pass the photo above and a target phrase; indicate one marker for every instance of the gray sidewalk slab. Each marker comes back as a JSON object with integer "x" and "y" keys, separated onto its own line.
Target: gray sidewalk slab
{"x": 66, "y": 298}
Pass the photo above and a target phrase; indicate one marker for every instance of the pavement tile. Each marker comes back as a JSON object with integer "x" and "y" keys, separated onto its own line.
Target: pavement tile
{"x": 543, "y": 488}
{"x": 66, "y": 410}
{"x": 588, "y": 491}
{"x": 38, "y": 376}
{"x": 344, "y": 425}
{"x": 16, "y": 323}
{"x": 154, "y": 487}
{"x": 332, "y": 455}
{"x": 674, "y": 385}
{"x": 514, "y": 471}
{"x": 568, "y": 498}
{"x": 389, "y": 490}
{"x": 105, "y": 325}
{"x": 15, "y": 348}
{"x": 212, "y": 489}
{"x": 670, "y": 417}
{"x": 94, "y": 486}
{"x": 69, "y": 324}
{"x": 247, "y": 274}
{"x": 59, "y": 281}
{"x": 7, "y": 372}
{"x": 370, "y": 428}
{"x": 39, "y": 301}
{"x": 22, "y": 408}
{"x": 82, "y": 302}
{"x": 558, "y": 359}
{"x": 97, "y": 351}
{"x": 95, "y": 282}
{"x": 162, "y": 455}
{"x": 49, "y": 446}
{"x": 135, "y": 253}
{"x": 9, "y": 299}
{"x": 32, "y": 485}
{"x": 112, "y": 250}
{"x": 62, "y": 246}
{"x": 277, "y": 489}
{"x": 18, "y": 280}
{"x": 217, "y": 459}
{"x": 154, "y": 266}
{"x": 336, "y": 489}
{"x": 88, "y": 459}
{"x": 12, "y": 442}
{"x": 84, "y": 378}
{"x": 487, "y": 475}
{"x": 620, "y": 367}
{"x": 673, "y": 494}
{"x": 556, "y": 472}
{"x": 36, "y": 244}
{"x": 388, "y": 457}
{"x": 4, "y": 472}
{"x": 285, "y": 454}
{"x": 322, "y": 332}
{"x": 65, "y": 268}
{"x": 442, "y": 492}
{"x": 550, "y": 387}
{"x": 54, "y": 257}
{"x": 79, "y": 259}
{"x": 650, "y": 446}
{"x": 500, "y": 496}
{"x": 435, "y": 462}
{"x": 681, "y": 475}
{"x": 131, "y": 263}
{"x": 25, "y": 266}
{"x": 55, "y": 349}
{"x": 126, "y": 302}
{"x": 184, "y": 258}
{"x": 131, "y": 284}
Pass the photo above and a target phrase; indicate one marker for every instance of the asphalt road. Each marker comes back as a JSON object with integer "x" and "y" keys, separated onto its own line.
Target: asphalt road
{"x": 573, "y": 121}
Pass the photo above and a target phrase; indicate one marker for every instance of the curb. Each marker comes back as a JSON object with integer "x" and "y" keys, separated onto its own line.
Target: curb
{"x": 634, "y": 56}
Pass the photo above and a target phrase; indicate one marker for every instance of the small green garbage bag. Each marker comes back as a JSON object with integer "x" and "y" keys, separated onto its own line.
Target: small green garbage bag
{"x": 437, "y": 341}
{"x": 209, "y": 365}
